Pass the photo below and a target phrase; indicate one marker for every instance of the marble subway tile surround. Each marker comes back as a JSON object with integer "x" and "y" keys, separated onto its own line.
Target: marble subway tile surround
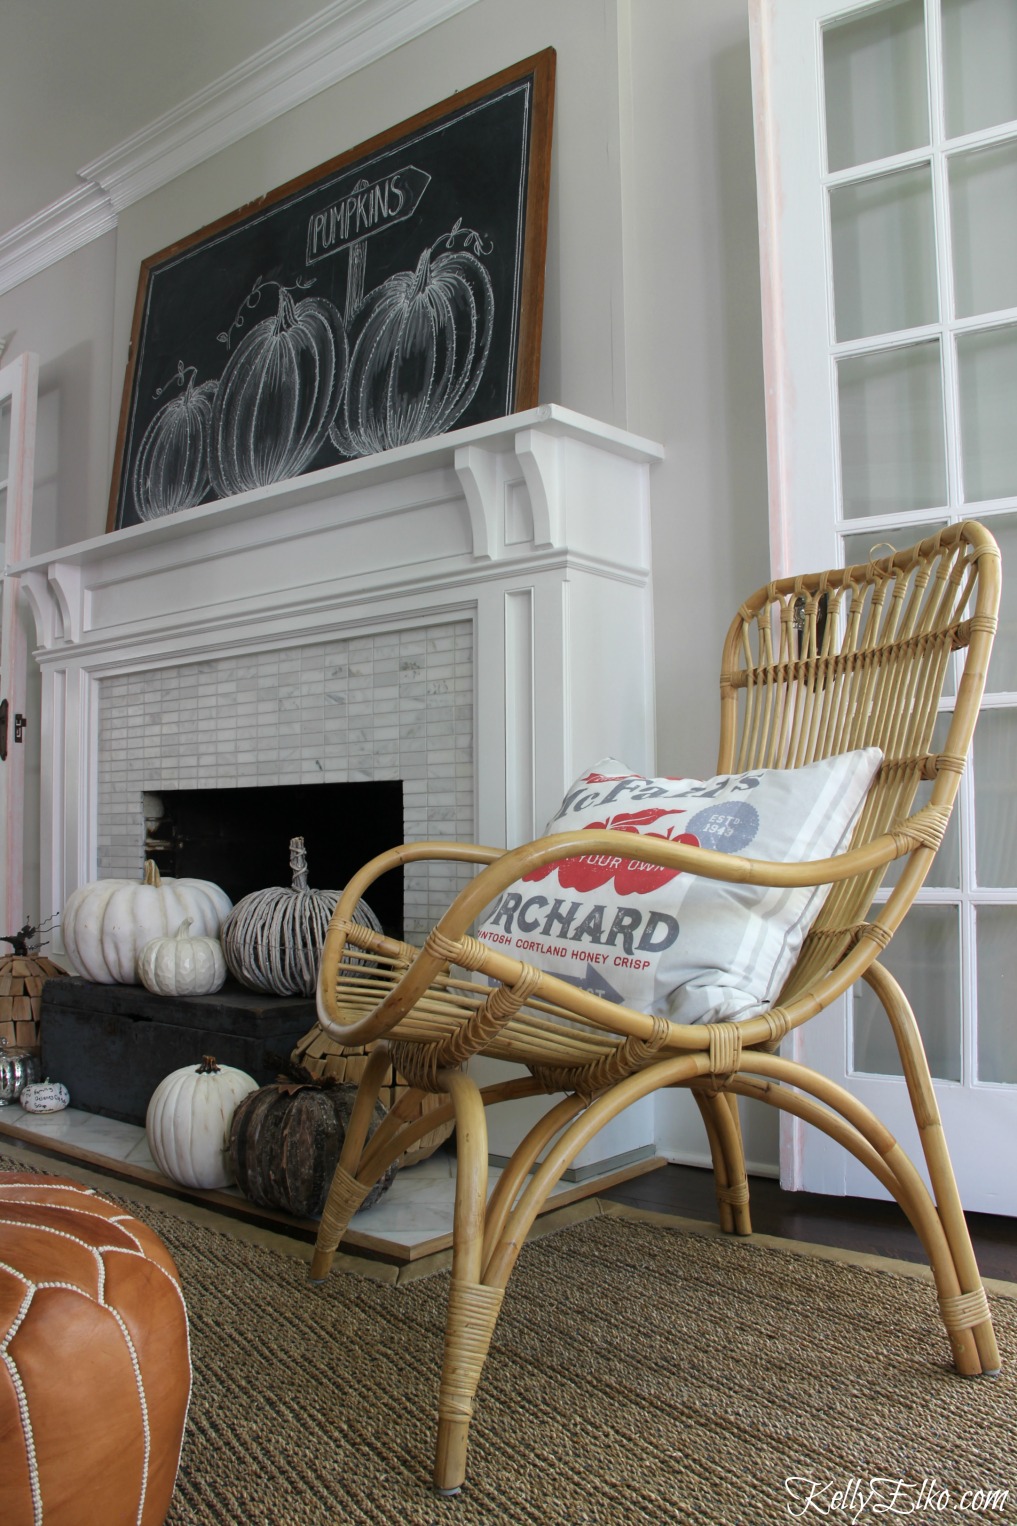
{"x": 395, "y": 705}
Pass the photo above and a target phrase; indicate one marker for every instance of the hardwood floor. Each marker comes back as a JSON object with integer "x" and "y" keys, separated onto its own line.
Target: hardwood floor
{"x": 859, "y": 1224}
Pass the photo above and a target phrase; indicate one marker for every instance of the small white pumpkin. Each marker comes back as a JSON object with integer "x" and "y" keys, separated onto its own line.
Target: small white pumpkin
{"x": 44, "y": 1097}
{"x": 188, "y": 964}
{"x": 188, "y": 1122}
{"x": 107, "y": 923}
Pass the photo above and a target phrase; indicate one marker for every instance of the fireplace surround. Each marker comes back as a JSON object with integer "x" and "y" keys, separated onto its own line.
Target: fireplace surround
{"x": 470, "y": 615}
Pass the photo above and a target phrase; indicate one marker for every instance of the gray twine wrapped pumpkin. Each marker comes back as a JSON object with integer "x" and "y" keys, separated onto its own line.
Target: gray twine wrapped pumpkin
{"x": 272, "y": 939}
{"x": 285, "y": 1140}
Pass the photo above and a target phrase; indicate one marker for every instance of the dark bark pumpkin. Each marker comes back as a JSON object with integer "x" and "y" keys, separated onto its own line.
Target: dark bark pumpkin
{"x": 285, "y": 1141}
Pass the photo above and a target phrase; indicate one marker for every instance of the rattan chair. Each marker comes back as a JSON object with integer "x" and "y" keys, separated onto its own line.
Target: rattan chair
{"x": 813, "y": 666}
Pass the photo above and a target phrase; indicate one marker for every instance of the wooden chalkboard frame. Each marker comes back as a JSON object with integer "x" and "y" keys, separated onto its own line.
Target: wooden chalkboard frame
{"x": 391, "y": 293}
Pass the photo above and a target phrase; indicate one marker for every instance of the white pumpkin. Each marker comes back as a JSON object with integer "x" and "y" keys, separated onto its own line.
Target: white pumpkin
{"x": 107, "y": 923}
{"x": 44, "y": 1097}
{"x": 188, "y": 1122}
{"x": 188, "y": 964}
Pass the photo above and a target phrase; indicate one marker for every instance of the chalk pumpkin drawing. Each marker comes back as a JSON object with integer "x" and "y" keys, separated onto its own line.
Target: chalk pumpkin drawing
{"x": 419, "y": 342}
{"x": 316, "y": 365}
{"x": 171, "y": 469}
{"x": 278, "y": 392}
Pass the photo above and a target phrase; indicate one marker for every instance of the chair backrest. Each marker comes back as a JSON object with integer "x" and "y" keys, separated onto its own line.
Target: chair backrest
{"x": 861, "y": 657}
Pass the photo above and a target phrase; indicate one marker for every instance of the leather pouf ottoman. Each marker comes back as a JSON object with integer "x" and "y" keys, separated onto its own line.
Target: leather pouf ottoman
{"x": 95, "y": 1368}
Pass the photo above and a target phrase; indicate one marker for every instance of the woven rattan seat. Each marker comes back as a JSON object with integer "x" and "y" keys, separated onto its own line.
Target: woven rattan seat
{"x": 813, "y": 666}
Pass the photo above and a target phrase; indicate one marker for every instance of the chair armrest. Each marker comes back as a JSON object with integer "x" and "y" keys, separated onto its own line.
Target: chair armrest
{"x": 381, "y": 1020}
{"x": 708, "y": 863}
{"x": 503, "y": 867}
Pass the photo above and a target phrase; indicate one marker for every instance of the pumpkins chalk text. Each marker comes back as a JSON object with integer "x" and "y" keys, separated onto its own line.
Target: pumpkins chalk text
{"x": 188, "y": 1122}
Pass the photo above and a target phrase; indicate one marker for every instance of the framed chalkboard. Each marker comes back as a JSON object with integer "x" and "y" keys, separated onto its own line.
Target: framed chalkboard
{"x": 389, "y": 295}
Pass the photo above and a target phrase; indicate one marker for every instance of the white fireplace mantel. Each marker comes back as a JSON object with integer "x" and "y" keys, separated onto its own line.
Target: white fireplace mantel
{"x": 526, "y": 539}
{"x": 534, "y": 527}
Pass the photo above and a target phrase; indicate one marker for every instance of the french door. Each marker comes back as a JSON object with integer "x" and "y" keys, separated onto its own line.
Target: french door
{"x": 886, "y": 140}
{"x": 18, "y": 392}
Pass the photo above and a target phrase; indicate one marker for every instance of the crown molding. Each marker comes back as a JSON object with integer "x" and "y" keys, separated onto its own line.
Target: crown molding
{"x": 344, "y": 37}
{"x": 68, "y": 224}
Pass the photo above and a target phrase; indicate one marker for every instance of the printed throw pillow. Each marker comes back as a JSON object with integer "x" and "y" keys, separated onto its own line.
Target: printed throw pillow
{"x": 672, "y": 943}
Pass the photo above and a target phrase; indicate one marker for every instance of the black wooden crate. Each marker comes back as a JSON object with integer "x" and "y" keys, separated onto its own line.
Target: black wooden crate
{"x": 111, "y": 1045}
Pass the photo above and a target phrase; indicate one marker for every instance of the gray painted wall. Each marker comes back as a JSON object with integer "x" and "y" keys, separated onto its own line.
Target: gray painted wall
{"x": 651, "y": 319}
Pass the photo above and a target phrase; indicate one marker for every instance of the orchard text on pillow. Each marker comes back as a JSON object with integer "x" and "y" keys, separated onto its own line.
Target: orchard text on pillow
{"x": 671, "y": 943}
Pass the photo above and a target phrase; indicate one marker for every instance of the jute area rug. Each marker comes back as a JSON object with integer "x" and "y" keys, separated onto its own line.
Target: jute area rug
{"x": 639, "y": 1373}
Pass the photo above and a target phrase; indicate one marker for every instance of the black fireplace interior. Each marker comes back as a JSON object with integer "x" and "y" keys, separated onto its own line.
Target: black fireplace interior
{"x": 239, "y": 838}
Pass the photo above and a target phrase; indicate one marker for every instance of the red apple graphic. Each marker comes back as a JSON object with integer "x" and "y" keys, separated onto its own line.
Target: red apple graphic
{"x": 631, "y": 877}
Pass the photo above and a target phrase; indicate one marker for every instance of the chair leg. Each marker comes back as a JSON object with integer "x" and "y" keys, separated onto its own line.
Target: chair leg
{"x": 473, "y": 1307}
{"x": 346, "y": 1192}
{"x": 723, "y": 1130}
{"x": 970, "y": 1310}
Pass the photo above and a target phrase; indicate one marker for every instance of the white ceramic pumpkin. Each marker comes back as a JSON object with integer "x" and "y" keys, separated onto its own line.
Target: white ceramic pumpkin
{"x": 107, "y": 923}
{"x": 188, "y": 964}
{"x": 44, "y": 1097}
{"x": 188, "y": 1122}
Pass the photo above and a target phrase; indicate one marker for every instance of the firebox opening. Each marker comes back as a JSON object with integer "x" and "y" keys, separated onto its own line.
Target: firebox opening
{"x": 239, "y": 837}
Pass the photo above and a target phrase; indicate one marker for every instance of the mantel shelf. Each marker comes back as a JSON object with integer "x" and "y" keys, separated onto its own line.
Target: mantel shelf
{"x": 448, "y": 451}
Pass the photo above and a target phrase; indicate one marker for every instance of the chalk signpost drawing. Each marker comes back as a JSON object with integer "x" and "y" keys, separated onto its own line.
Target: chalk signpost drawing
{"x": 391, "y": 294}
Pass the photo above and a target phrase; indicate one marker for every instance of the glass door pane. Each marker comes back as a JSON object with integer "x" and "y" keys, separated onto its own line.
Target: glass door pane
{"x": 996, "y": 818}
{"x": 983, "y": 211}
{"x": 892, "y": 440}
{"x": 997, "y": 979}
{"x": 925, "y": 958}
{"x": 987, "y": 381}
{"x": 884, "y": 253}
{"x": 979, "y": 63}
{"x": 876, "y": 87}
